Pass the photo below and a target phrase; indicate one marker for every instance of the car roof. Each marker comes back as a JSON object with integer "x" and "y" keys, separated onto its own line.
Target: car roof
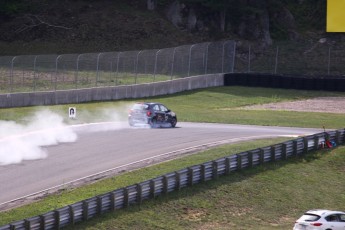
{"x": 149, "y": 103}
{"x": 322, "y": 212}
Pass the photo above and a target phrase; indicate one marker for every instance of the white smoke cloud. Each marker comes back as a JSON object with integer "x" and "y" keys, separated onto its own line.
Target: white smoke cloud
{"x": 20, "y": 142}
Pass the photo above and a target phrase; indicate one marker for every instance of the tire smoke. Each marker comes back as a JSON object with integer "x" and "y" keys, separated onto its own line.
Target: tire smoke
{"x": 20, "y": 142}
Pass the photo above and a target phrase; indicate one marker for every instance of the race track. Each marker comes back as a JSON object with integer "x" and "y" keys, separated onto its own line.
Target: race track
{"x": 106, "y": 147}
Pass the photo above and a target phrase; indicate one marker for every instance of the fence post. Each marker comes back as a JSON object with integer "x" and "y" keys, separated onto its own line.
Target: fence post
{"x": 57, "y": 219}
{"x": 71, "y": 214}
{"x": 11, "y": 74}
{"x": 139, "y": 193}
{"x": 233, "y": 59}
{"x": 35, "y": 73}
{"x": 42, "y": 222}
{"x": 77, "y": 71}
{"x": 305, "y": 144}
{"x": 56, "y": 71}
{"x": 85, "y": 210}
{"x": 329, "y": 60}
{"x": 223, "y": 54}
{"x": 337, "y": 137}
{"x": 112, "y": 201}
{"x": 172, "y": 64}
{"x": 239, "y": 161}
{"x": 99, "y": 205}
{"x": 125, "y": 197}
{"x": 227, "y": 165}
{"x": 250, "y": 159}
{"x": 262, "y": 156}
{"x": 249, "y": 58}
{"x": 316, "y": 142}
{"x": 276, "y": 62}
{"x": 273, "y": 153}
{"x": 206, "y": 57}
{"x": 190, "y": 176}
{"x": 284, "y": 149}
{"x": 190, "y": 57}
{"x": 97, "y": 69}
{"x": 202, "y": 173}
{"x": 295, "y": 148}
{"x": 165, "y": 184}
{"x": 155, "y": 68}
{"x": 215, "y": 169}
{"x": 117, "y": 68}
{"x": 152, "y": 189}
{"x": 136, "y": 67}
{"x": 177, "y": 180}
{"x": 27, "y": 224}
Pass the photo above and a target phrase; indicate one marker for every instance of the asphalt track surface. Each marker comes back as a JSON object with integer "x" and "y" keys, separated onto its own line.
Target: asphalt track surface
{"x": 104, "y": 148}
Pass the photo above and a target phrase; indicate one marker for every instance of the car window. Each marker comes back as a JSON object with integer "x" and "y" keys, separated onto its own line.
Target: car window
{"x": 163, "y": 108}
{"x": 309, "y": 217}
{"x": 332, "y": 218}
{"x": 342, "y": 217}
{"x": 140, "y": 106}
{"x": 156, "y": 108}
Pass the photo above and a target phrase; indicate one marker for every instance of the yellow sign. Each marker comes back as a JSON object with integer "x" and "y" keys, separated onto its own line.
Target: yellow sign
{"x": 335, "y": 16}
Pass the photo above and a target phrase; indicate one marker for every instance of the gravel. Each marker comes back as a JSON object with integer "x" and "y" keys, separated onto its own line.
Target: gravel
{"x": 320, "y": 104}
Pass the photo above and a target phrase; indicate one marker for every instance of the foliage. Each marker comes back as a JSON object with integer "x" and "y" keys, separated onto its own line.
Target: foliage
{"x": 9, "y": 8}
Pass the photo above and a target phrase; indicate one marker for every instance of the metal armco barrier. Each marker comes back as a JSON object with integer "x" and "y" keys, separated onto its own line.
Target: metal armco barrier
{"x": 174, "y": 181}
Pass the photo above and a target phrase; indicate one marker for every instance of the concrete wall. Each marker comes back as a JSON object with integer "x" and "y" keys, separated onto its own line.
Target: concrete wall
{"x": 110, "y": 93}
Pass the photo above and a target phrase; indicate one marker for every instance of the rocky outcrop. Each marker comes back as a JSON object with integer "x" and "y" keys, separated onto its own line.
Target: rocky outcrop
{"x": 253, "y": 22}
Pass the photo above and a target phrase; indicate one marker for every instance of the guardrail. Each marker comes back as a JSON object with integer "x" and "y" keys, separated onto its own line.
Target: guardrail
{"x": 174, "y": 181}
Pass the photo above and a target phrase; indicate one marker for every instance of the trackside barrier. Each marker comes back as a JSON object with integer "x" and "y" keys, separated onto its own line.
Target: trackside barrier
{"x": 110, "y": 93}
{"x": 300, "y": 82}
{"x": 174, "y": 181}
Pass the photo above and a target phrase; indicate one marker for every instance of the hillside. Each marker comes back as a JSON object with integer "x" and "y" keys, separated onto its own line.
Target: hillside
{"x": 41, "y": 27}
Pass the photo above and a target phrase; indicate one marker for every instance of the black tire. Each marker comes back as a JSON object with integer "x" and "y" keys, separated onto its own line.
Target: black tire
{"x": 173, "y": 122}
{"x": 153, "y": 123}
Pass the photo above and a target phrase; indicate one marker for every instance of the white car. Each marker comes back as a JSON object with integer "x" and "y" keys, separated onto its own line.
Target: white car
{"x": 320, "y": 219}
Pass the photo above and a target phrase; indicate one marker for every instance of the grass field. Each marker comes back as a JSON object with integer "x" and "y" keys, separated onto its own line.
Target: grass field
{"x": 268, "y": 197}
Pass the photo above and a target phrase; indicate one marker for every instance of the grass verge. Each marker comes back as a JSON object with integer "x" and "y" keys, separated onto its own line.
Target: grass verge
{"x": 272, "y": 196}
{"x": 217, "y": 105}
{"x": 273, "y": 192}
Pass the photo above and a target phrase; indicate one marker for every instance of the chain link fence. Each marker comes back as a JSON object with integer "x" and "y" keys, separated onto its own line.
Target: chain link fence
{"x": 293, "y": 58}
{"x": 32, "y": 73}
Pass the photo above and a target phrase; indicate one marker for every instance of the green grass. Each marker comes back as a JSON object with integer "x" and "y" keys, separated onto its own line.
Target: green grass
{"x": 271, "y": 197}
{"x": 67, "y": 196}
{"x": 30, "y": 81}
{"x": 217, "y": 105}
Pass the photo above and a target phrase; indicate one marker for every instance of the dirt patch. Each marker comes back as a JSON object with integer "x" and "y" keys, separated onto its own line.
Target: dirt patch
{"x": 320, "y": 104}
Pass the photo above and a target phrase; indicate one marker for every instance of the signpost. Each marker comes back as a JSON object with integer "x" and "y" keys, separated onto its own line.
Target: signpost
{"x": 72, "y": 112}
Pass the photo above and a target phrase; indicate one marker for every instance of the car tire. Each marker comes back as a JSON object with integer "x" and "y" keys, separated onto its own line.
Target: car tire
{"x": 131, "y": 123}
{"x": 153, "y": 123}
{"x": 173, "y": 122}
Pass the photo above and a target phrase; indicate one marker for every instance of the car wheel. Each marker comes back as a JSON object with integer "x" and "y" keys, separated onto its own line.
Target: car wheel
{"x": 131, "y": 123}
{"x": 173, "y": 122}
{"x": 153, "y": 123}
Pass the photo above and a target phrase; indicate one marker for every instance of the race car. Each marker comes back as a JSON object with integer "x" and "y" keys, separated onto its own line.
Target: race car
{"x": 153, "y": 114}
